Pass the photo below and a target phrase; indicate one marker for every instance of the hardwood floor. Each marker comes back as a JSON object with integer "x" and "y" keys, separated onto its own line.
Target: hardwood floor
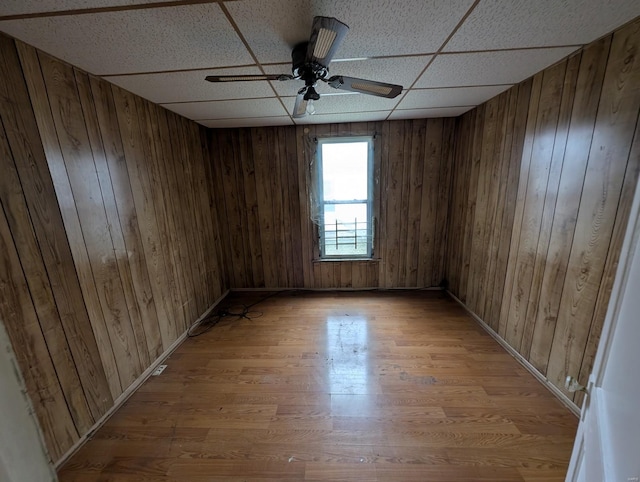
{"x": 376, "y": 386}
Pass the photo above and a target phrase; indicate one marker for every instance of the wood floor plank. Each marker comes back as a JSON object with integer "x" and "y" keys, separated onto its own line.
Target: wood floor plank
{"x": 324, "y": 386}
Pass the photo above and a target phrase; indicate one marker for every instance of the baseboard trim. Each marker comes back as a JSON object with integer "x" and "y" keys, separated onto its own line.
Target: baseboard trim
{"x": 375, "y": 288}
{"x": 131, "y": 389}
{"x": 566, "y": 401}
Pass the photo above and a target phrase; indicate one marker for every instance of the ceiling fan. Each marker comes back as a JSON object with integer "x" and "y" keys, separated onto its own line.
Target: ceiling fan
{"x": 311, "y": 64}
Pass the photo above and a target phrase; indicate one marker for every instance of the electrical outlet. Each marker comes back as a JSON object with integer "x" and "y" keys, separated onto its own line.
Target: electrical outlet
{"x": 158, "y": 370}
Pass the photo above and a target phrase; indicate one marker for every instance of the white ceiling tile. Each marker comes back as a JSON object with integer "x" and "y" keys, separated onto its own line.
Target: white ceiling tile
{"x": 487, "y": 68}
{"x": 377, "y": 27}
{"x": 190, "y": 86}
{"x": 397, "y": 70}
{"x": 229, "y": 109}
{"x": 348, "y": 117}
{"x": 148, "y": 40}
{"x": 248, "y": 122}
{"x": 21, "y": 7}
{"x": 451, "y": 97}
{"x": 350, "y": 102}
{"x": 500, "y": 24}
{"x": 168, "y": 49}
{"x": 424, "y": 113}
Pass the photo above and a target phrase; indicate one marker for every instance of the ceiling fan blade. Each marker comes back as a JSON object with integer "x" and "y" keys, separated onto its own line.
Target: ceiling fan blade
{"x": 300, "y": 108}
{"x": 245, "y": 78}
{"x": 327, "y": 34}
{"x": 371, "y": 87}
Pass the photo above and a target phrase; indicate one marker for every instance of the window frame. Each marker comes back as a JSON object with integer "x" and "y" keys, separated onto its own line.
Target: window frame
{"x": 369, "y": 202}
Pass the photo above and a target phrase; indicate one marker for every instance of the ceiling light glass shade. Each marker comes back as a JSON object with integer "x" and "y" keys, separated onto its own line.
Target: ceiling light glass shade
{"x": 311, "y": 109}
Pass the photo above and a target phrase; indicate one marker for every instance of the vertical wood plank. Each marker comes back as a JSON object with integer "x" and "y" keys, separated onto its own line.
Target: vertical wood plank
{"x": 177, "y": 241}
{"x": 614, "y": 129}
{"x": 120, "y": 183}
{"x": 306, "y": 226}
{"x": 290, "y": 169}
{"x": 229, "y": 158}
{"x": 512, "y": 153}
{"x": 585, "y": 106}
{"x": 478, "y": 260}
{"x": 475, "y": 145}
{"x": 498, "y": 194}
{"x": 154, "y": 256}
{"x": 534, "y": 199}
{"x": 611, "y": 264}
{"x": 550, "y": 201}
{"x": 18, "y": 218}
{"x": 393, "y": 202}
{"x": 112, "y": 220}
{"x": 429, "y": 195}
{"x": 215, "y": 146}
{"x": 19, "y": 318}
{"x": 157, "y": 147}
{"x": 445, "y": 182}
{"x": 527, "y": 149}
{"x": 44, "y": 180}
{"x": 70, "y": 126}
{"x": 251, "y": 203}
{"x": 265, "y": 206}
{"x": 102, "y": 257}
{"x": 413, "y": 214}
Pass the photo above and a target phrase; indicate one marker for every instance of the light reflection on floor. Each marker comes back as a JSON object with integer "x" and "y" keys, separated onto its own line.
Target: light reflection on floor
{"x": 348, "y": 355}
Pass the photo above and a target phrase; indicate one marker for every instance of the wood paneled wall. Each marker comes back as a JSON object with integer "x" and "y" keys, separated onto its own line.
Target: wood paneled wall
{"x": 269, "y": 238}
{"x": 543, "y": 179}
{"x": 108, "y": 236}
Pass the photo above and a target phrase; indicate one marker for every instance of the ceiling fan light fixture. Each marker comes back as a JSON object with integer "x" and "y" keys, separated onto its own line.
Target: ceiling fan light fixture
{"x": 324, "y": 43}
{"x": 311, "y": 94}
{"x": 310, "y": 64}
{"x": 311, "y": 109}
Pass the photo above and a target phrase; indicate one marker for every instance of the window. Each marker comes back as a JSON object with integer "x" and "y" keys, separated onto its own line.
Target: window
{"x": 345, "y": 189}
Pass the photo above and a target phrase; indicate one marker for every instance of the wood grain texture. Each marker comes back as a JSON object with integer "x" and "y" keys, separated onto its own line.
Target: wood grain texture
{"x": 121, "y": 222}
{"x": 262, "y": 177}
{"x": 71, "y": 132}
{"x": 99, "y": 277}
{"x": 44, "y": 219}
{"x": 537, "y": 191}
{"x": 17, "y": 214}
{"x": 72, "y": 228}
{"x": 373, "y": 386}
{"x": 571, "y": 166}
{"x": 132, "y": 257}
{"x": 589, "y": 84}
{"x": 19, "y": 317}
{"x": 608, "y": 159}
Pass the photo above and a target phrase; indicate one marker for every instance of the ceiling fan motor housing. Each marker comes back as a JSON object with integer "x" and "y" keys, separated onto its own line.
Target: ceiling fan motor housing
{"x": 310, "y": 72}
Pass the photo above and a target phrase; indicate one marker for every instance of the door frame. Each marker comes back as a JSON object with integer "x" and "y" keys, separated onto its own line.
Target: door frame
{"x": 23, "y": 455}
{"x": 628, "y": 251}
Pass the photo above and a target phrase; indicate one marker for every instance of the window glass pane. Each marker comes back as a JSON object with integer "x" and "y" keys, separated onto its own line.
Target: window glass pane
{"x": 345, "y": 229}
{"x": 344, "y": 171}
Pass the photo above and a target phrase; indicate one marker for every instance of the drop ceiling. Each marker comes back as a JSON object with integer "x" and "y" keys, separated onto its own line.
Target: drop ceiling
{"x": 450, "y": 55}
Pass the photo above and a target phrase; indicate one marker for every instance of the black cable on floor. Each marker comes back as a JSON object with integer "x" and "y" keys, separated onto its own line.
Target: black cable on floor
{"x": 244, "y": 311}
